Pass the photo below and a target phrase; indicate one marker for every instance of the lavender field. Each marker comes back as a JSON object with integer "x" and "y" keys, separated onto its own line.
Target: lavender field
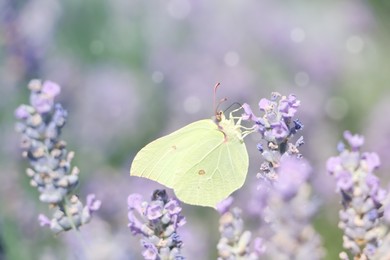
{"x": 86, "y": 84}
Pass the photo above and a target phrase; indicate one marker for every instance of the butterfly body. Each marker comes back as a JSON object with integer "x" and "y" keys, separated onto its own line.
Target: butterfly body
{"x": 203, "y": 162}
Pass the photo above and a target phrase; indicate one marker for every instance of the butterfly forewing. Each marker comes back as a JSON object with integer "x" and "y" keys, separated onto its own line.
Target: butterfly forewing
{"x": 159, "y": 159}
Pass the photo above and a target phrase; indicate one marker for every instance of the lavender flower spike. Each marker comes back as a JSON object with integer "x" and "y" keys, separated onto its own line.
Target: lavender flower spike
{"x": 51, "y": 173}
{"x": 361, "y": 218}
{"x": 283, "y": 199}
{"x": 290, "y": 212}
{"x": 234, "y": 242}
{"x": 157, "y": 222}
{"x": 276, "y": 127}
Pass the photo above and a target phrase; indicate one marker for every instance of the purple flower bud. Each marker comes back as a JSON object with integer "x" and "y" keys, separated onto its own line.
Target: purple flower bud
{"x": 154, "y": 211}
{"x": 134, "y": 201}
{"x": 298, "y": 124}
{"x": 280, "y": 130}
{"x": 51, "y": 88}
{"x": 173, "y": 207}
{"x": 135, "y": 225}
{"x": 224, "y": 206}
{"x": 292, "y": 173}
{"x": 265, "y": 104}
{"x": 92, "y": 203}
{"x": 344, "y": 180}
{"x": 340, "y": 147}
{"x": 355, "y": 141}
{"x": 260, "y": 147}
{"x": 150, "y": 252}
{"x": 288, "y": 106}
{"x": 373, "y": 184}
{"x": 259, "y": 246}
{"x": 372, "y": 160}
{"x": 157, "y": 223}
{"x": 44, "y": 221}
{"x": 248, "y": 115}
{"x": 22, "y": 112}
{"x": 333, "y": 164}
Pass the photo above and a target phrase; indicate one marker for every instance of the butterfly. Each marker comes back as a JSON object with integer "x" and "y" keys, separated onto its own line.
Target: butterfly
{"x": 203, "y": 162}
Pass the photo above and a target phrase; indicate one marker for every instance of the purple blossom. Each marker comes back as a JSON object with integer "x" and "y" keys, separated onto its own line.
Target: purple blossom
{"x": 372, "y": 161}
{"x": 223, "y": 206}
{"x": 344, "y": 181}
{"x": 283, "y": 197}
{"x": 280, "y": 130}
{"x": 43, "y": 220}
{"x": 51, "y": 173}
{"x": 293, "y": 173}
{"x": 135, "y": 225}
{"x": 51, "y": 88}
{"x": 265, "y": 104}
{"x": 362, "y": 197}
{"x": 157, "y": 221}
{"x": 234, "y": 242}
{"x": 134, "y": 201}
{"x": 92, "y": 203}
{"x": 355, "y": 141}
{"x": 248, "y": 115}
{"x": 23, "y": 112}
{"x": 154, "y": 211}
{"x": 173, "y": 207}
{"x": 332, "y": 164}
{"x": 150, "y": 252}
{"x": 289, "y": 106}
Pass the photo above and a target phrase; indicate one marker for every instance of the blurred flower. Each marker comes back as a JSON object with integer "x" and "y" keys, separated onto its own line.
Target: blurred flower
{"x": 51, "y": 173}
{"x": 361, "y": 218}
{"x": 283, "y": 198}
{"x": 157, "y": 222}
{"x": 289, "y": 213}
{"x": 234, "y": 242}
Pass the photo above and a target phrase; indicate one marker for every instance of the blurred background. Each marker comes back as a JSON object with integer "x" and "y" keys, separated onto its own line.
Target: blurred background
{"x": 133, "y": 70}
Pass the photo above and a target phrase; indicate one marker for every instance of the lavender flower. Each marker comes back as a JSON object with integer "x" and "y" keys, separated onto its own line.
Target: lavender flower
{"x": 276, "y": 127}
{"x": 51, "y": 172}
{"x": 289, "y": 214}
{"x": 283, "y": 197}
{"x": 157, "y": 222}
{"x": 361, "y": 218}
{"x": 234, "y": 242}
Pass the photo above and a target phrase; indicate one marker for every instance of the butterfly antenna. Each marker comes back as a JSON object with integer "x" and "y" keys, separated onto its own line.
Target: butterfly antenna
{"x": 220, "y": 102}
{"x": 235, "y": 103}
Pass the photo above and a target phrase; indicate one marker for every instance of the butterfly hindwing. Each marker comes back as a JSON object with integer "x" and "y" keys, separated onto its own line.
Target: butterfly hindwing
{"x": 212, "y": 170}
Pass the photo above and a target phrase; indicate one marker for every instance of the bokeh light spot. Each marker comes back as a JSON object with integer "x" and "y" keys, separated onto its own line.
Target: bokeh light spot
{"x": 232, "y": 58}
{"x": 302, "y": 79}
{"x": 297, "y": 35}
{"x": 179, "y": 9}
{"x": 336, "y": 108}
{"x": 192, "y": 104}
{"x": 157, "y": 76}
{"x": 355, "y": 44}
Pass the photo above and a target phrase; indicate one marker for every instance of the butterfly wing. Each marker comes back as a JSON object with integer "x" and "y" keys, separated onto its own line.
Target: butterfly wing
{"x": 211, "y": 170}
{"x": 160, "y": 159}
{"x": 197, "y": 161}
